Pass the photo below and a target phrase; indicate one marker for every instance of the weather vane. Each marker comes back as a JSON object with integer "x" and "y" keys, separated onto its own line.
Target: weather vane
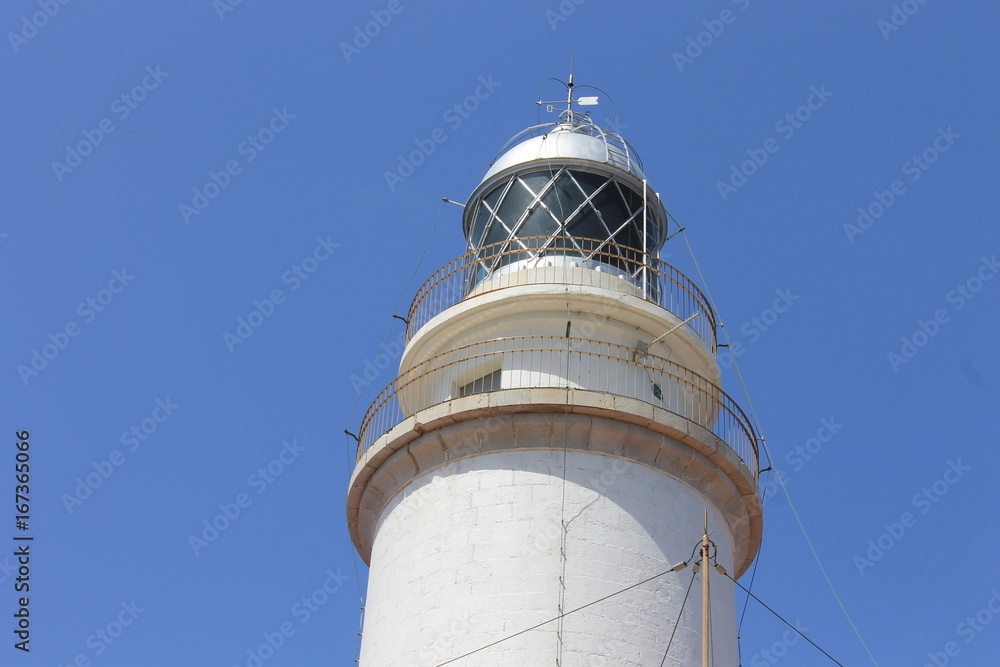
{"x": 567, "y": 113}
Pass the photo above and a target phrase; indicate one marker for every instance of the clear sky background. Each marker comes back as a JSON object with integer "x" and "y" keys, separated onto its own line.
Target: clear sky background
{"x": 122, "y": 299}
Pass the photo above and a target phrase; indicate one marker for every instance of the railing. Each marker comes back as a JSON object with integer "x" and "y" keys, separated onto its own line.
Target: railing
{"x": 616, "y": 144}
{"x": 527, "y": 362}
{"x": 562, "y": 260}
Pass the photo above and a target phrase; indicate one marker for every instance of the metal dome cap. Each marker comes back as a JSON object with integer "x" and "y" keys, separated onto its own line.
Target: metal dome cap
{"x": 579, "y": 138}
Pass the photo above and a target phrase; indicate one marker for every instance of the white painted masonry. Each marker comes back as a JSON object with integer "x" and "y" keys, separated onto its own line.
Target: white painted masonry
{"x": 481, "y": 544}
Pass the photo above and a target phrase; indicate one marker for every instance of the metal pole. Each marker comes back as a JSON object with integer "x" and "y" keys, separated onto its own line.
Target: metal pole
{"x": 705, "y": 611}
{"x": 645, "y": 250}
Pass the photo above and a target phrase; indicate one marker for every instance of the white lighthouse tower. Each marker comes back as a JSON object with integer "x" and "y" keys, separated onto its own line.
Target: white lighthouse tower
{"x": 557, "y": 434}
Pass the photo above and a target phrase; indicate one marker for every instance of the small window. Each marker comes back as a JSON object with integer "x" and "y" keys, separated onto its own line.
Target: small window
{"x": 484, "y": 384}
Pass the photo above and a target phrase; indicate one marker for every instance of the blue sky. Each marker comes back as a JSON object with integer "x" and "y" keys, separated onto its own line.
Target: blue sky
{"x": 171, "y": 168}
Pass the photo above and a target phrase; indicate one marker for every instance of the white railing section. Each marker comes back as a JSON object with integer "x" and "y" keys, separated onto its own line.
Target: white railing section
{"x": 563, "y": 260}
{"x": 528, "y": 362}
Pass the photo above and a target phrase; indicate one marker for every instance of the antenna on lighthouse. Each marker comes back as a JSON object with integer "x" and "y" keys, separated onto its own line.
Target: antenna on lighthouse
{"x": 567, "y": 113}
{"x": 569, "y": 86}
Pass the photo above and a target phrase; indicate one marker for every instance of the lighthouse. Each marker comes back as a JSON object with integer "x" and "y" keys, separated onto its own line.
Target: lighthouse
{"x": 556, "y": 471}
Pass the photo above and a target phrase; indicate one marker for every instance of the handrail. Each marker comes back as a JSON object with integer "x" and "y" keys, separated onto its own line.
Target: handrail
{"x": 509, "y": 263}
{"x": 582, "y": 124}
{"x": 525, "y": 362}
